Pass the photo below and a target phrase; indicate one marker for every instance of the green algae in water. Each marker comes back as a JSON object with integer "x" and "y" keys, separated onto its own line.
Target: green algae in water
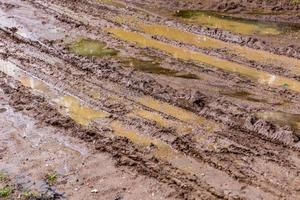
{"x": 234, "y": 24}
{"x": 153, "y": 67}
{"x": 89, "y": 47}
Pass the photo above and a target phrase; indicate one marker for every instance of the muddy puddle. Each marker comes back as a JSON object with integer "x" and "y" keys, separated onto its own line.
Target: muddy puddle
{"x": 162, "y": 150}
{"x": 39, "y": 152}
{"x": 202, "y": 41}
{"x": 178, "y": 113}
{"x": 181, "y": 129}
{"x": 243, "y": 95}
{"x": 154, "y": 67}
{"x": 78, "y": 112}
{"x": 51, "y": 165}
{"x": 185, "y": 54}
{"x": 89, "y": 47}
{"x": 282, "y": 118}
{"x": 66, "y": 104}
{"x": 233, "y": 24}
{"x": 113, "y": 3}
{"x": 182, "y": 162}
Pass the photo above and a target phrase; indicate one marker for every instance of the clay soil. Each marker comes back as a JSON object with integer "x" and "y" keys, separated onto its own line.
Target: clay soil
{"x": 156, "y": 114}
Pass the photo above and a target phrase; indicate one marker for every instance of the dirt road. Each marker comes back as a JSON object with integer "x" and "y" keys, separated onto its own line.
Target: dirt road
{"x": 148, "y": 100}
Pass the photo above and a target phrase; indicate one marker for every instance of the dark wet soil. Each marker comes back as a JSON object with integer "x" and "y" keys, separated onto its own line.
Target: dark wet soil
{"x": 194, "y": 114}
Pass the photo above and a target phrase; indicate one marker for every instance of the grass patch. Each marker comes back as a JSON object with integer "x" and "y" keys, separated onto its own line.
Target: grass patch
{"x": 2, "y": 176}
{"x": 51, "y": 178}
{"x": 5, "y": 192}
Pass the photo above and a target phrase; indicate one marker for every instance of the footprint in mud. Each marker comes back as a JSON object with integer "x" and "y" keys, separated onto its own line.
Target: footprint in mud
{"x": 2, "y": 110}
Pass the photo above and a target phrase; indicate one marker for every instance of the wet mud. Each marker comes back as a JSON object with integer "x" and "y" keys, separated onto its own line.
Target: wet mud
{"x": 168, "y": 108}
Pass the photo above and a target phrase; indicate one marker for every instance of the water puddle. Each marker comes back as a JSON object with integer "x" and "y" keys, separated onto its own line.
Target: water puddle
{"x": 281, "y": 118}
{"x": 233, "y": 24}
{"x": 113, "y": 3}
{"x": 243, "y": 95}
{"x": 176, "y": 112}
{"x": 89, "y": 47}
{"x": 185, "y": 54}
{"x": 80, "y": 113}
{"x": 262, "y": 57}
{"x": 29, "y": 81}
{"x": 182, "y": 162}
{"x": 161, "y": 121}
{"x": 153, "y": 67}
{"x": 163, "y": 150}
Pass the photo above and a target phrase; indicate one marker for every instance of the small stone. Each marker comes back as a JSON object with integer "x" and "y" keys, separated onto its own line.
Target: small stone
{"x": 94, "y": 191}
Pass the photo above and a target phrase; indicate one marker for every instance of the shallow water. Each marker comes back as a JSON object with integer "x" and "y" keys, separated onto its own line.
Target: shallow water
{"x": 154, "y": 67}
{"x": 89, "y": 47}
{"x": 233, "y": 24}
{"x": 80, "y": 113}
{"x": 243, "y": 95}
{"x": 202, "y": 41}
{"x": 282, "y": 118}
{"x": 185, "y": 54}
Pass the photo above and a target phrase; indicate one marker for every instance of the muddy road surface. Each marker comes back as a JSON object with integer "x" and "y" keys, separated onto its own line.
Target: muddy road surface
{"x": 107, "y": 99}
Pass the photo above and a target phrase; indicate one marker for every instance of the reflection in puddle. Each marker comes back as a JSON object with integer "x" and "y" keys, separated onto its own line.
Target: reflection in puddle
{"x": 281, "y": 118}
{"x": 202, "y": 41}
{"x": 88, "y": 47}
{"x": 154, "y": 67}
{"x": 234, "y": 24}
{"x": 79, "y": 113}
{"x": 244, "y": 96}
{"x": 185, "y": 54}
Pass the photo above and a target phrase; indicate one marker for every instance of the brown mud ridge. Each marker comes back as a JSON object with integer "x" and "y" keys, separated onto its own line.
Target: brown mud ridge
{"x": 208, "y": 120}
